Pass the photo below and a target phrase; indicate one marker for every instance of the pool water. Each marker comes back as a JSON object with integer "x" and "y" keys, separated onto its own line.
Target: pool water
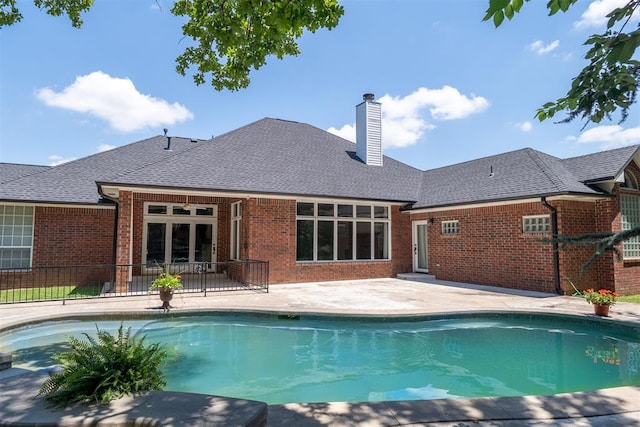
{"x": 323, "y": 359}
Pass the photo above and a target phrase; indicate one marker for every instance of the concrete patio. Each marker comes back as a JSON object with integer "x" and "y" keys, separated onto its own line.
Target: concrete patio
{"x": 379, "y": 297}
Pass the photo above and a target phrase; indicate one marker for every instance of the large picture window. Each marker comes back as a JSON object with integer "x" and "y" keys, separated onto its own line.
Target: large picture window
{"x": 341, "y": 232}
{"x": 16, "y": 236}
{"x": 630, "y": 209}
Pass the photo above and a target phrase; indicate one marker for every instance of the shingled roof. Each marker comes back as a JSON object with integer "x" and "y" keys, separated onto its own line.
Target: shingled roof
{"x": 11, "y": 171}
{"x": 517, "y": 174}
{"x": 279, "y": 157}
{"x": 602, "y": 166}
{"x": 75, "y": 182}
{"x": 273, "y": 156}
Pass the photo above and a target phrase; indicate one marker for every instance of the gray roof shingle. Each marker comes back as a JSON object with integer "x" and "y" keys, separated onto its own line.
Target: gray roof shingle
{"x": 75, "y": 182}
{"x": 11, "y": 171}
{"x": 273, "y": 156}
{"x": 517, "y": 174}
{"x": 602, "y": 166}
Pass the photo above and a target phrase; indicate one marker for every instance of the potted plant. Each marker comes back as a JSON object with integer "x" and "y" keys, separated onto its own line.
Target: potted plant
{"x": 601, "y": 299}
{"x": 166, "y": 284}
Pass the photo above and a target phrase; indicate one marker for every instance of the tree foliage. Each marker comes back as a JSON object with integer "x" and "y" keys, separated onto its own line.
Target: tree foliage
{"x": 230, "y": 37}
{"x": 609, "y": 82}
{"x": 104, "y": 368}
{"x": 235, "y": 36}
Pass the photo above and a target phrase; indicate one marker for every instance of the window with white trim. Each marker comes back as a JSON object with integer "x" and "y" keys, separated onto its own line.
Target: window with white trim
{"x": 342, "y": 232}
{"x": 536, "y": 224}
{"x": 176, "y": 233}
{"x": 236, "y": 230}
{"x": 450, "y": 227}
{"x": 16, "y": 236}
{"x": 630, "y": 218}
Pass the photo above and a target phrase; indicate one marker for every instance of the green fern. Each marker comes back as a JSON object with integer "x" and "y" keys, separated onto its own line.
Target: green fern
{"x": 104, "y": 369}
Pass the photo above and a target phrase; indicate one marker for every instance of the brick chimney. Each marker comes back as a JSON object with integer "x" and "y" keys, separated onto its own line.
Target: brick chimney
{"x": 369, "y": 131}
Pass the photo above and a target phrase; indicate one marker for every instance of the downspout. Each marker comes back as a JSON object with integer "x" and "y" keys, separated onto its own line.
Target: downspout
{"x": 556, "y": 253}
{"x": 114, "y": 245}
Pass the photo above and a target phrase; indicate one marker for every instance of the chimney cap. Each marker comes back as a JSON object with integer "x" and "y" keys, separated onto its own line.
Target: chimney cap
{"x": 368, "y": 97}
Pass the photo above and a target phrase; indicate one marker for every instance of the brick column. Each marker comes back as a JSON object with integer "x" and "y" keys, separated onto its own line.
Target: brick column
{"x": 123, "y": 244}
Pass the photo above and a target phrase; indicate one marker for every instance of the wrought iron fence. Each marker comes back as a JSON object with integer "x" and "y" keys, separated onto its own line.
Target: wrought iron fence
{"x": 99, "y": 281}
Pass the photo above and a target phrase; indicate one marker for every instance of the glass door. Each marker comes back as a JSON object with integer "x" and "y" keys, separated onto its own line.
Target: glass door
{"x": 420, "y": 252}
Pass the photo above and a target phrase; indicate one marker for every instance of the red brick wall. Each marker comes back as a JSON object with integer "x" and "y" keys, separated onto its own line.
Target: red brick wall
{"x": 491, "y": 248}
{"x": 576, "y": 218}
{"x": 66, "y": 236}
{"x": 269, "y": 232}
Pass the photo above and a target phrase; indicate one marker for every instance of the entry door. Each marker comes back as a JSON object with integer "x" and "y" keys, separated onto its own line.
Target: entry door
{"x": 420, "y": 252}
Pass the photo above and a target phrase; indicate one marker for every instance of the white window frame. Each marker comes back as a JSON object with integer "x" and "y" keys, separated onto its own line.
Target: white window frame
{"x": 354, "y": 219}
{"x": 236, "y": 230}
{"x": 450, "y": 227}
{"x": 16, "y": 234}
{"x": 536, "y": 224}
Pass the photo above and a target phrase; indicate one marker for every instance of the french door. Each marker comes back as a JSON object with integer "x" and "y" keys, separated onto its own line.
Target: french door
{"x": 420, "y": 252}
{"x": 174, "y": 236}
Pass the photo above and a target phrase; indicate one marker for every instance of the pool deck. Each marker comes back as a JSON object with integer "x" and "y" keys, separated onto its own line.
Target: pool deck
{"x": 413, "y": 295}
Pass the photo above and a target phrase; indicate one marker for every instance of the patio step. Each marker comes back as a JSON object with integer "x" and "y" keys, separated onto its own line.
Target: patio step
{"x": 417, "y": 277}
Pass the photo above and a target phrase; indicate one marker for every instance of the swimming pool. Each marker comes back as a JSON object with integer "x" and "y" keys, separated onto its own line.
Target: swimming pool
{"x": 321, "y": 359}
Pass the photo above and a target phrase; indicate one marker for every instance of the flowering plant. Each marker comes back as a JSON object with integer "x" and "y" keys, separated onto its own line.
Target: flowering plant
{"x": 166, "y": 280}
{"x": 600, "y": 297}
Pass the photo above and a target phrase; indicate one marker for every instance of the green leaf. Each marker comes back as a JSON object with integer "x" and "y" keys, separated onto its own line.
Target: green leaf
{"x": 498, "y": 17}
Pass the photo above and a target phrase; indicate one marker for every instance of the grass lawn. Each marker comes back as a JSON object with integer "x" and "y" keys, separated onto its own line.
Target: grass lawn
{"x": 630, "y": 298}
{"x": 49, "y": 293}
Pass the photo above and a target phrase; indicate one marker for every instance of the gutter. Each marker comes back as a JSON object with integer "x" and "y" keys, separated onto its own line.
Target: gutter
{"x": 556, "y": 253}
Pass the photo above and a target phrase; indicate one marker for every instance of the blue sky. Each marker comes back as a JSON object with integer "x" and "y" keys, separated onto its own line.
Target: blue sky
{"x": 453, "y": 88}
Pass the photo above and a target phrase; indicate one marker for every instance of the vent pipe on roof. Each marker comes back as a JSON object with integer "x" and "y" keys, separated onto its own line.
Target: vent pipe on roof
{"x": 369, "y": 131}
{"x": 168, "y": 147}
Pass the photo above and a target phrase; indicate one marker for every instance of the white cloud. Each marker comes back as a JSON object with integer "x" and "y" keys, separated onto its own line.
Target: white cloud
{"x": 115, "y": 100}
{"x": 403, "y": 121}
{"x": 524, "y": 126}
{"x": 105, "y": 147}
{"x": 611, "y": 136}
{"x": 58, "y": 160}
{"x": 540, "y": 48}
{"x": 596, "y": 13}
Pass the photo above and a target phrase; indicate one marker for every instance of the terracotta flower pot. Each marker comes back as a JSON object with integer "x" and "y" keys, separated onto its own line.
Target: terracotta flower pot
{"x": 601, "y": 310}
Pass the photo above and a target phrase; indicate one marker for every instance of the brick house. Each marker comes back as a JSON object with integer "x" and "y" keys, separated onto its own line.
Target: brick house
{"x": 320, "y": 208}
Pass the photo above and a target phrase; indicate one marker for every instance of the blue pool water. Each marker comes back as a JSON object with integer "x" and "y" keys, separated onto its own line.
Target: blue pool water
{"x": 314, "y": 359}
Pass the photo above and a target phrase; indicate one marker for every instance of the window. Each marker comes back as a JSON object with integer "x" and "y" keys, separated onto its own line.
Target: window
{"x": 341, "y": 232}
{"x": 536, "y": 224}
{"x": 450, "y": 227}
{"x": 630, "y": 208}
{"x": 16, "y": 236}
{"x": 179, "y": 234}
{"x": 630, "y": 181}
{"x": 236, "y": 229}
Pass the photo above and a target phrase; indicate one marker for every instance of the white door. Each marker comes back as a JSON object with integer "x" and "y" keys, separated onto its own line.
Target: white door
{"x": 420, "y": 252}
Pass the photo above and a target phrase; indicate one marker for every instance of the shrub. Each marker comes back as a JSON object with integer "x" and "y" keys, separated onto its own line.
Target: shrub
{"x": 104, "y": 369}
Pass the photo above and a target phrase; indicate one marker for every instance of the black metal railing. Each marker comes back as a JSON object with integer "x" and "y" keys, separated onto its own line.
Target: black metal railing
{"x": 97, "y": 281}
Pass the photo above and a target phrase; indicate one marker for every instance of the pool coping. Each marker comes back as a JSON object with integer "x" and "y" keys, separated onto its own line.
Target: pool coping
{"x": 616, "y": 406}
